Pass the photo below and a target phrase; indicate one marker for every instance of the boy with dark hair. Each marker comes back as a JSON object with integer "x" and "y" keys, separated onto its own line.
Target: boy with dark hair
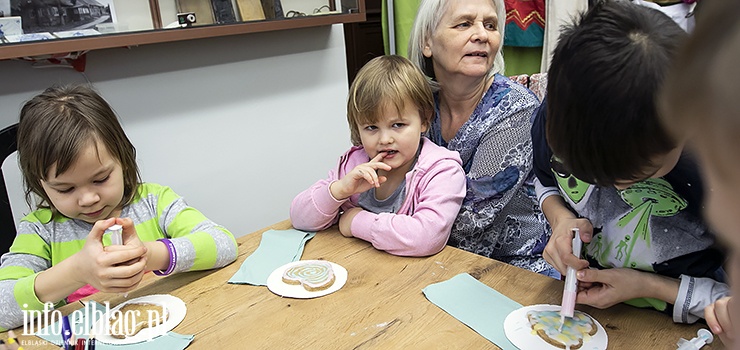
{"x": 606, "y": 166}
{"x": 608, "y": 69}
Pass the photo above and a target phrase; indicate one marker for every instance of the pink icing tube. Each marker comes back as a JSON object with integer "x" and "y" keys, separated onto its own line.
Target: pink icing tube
{"x": 571, "y": 282}
{"x": 569, "y": 304}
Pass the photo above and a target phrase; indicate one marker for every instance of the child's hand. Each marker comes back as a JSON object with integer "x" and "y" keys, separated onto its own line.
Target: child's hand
{"x": 113, "y": 269}
{"x": 345, "y": 221}
{"x": 362, "y": 178}
{"x": 130, "y": 240}
{"x": 559, "y": 249}
{"x": 718, "y": 319}
{"x": 605, "y": 288}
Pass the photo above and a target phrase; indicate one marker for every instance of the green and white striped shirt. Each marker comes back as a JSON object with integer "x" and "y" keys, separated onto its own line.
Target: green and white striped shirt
{"x": 157, "y": 212}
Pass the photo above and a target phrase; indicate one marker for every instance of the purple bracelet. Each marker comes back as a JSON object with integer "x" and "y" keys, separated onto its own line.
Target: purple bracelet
{"x": 173, "y": 258}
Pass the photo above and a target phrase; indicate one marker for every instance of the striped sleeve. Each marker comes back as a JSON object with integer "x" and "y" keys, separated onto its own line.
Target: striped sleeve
{"x": 29, "y": 255}
{"x": 199, "y": 243}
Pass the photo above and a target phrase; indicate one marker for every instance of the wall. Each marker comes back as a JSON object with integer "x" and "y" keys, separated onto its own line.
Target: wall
{"x": 237, "y": 125}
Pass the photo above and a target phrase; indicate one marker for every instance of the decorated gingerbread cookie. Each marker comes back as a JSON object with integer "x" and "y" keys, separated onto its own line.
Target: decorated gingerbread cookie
{"x": 313, "y": 275}
{"x": 575, "y": 329}
{"x": 537, "y": 327}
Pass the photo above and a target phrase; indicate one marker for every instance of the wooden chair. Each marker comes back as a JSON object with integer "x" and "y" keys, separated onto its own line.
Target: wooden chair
{"x": 7, "y": 223}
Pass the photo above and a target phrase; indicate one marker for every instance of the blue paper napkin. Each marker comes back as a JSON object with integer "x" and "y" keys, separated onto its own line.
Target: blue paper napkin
{"x": 82, "y": 320}
{"x": 277, "y": 248}
{"x": 475, "y": 304}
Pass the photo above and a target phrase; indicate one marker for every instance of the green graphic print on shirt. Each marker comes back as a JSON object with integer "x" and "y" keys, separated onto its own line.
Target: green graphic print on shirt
{"x": 575, "y": 189}
{"x": 624, "y": 240}
{"x": 651, "y": 197}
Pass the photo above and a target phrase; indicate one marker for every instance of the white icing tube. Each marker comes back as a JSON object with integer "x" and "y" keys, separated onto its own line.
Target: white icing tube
{"x": 571, "y": 282}
{"x": 116, "y": 235}
{"x": 116, "y": 238}
{"x": 703, "y": 337}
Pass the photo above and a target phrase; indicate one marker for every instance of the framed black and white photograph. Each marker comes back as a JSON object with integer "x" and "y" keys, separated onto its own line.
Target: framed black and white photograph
{"x": 40, "y": 16}
{"x": 10, "y": 26}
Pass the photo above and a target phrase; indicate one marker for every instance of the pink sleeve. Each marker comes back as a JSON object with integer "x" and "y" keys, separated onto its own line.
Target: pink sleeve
{"x": 316, "y": 209}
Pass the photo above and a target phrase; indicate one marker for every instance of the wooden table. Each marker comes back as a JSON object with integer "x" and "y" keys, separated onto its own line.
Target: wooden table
{"x": 381, "y": 306}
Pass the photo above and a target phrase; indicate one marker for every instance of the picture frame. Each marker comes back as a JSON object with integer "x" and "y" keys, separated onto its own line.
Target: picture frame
{"x": 273, "y": 9}
{"x": 10, "y": 26}
{"x": 223, "y": 11}
{"x": 251, "y": 10}
{"x": 43, "y": 16}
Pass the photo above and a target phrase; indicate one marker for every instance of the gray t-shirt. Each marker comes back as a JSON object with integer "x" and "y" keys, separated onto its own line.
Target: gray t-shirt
{"x": 371, "y": 203}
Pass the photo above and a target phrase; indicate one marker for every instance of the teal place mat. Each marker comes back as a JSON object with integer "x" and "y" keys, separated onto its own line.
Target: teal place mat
{"x": 475, "y": 304}
{"x": 277, "y": 248}
{"x": 82, "y": 320}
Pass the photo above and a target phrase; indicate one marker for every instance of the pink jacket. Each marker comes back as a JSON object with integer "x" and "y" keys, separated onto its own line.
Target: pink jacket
{"x": 435, "y": 189}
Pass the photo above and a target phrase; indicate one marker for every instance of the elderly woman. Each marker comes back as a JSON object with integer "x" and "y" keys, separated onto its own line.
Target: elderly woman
{"x": 486, "y": 117}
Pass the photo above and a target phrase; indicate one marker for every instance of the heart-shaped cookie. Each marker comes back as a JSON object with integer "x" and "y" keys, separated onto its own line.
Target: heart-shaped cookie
{"x": 575, "y": 329}
{"x": 313, "y": 275}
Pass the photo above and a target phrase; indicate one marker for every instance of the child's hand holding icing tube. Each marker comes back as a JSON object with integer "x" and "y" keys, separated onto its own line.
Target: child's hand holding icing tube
{"x": 571, "y": 283}
{"x": 118, "y": 267}
{"x": 362, "y": 178}
{"x": 107, "y": 269}
{"x": 124, "y": 238}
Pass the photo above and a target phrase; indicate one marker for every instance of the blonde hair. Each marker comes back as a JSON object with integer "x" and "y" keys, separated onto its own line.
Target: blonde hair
{"x": 699, "y": 99}
{"x": 387, "y": 81}
{"x": 56, "y": 125}
{"x": 425, "y": 24}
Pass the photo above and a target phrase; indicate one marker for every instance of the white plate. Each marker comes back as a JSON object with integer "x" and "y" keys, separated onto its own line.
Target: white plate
{"x": 175, "y": 307}
{"x": 519, "y": 332}
{"x": 276, "y": 285}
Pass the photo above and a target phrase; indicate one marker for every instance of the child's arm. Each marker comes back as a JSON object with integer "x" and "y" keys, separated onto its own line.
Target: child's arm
{"x": 559, "y": 249}
{"x": 426, "y": 230}
{"x": 112, "y": 269}
{"x": 197, "y": 242}
{"x": 360, "y": 179}
{"x": 608, "y": 287}
{"x": 28, "y": 279}
{"x": 689, "y": 295}
{"x": 317, "y": 208}
{"x": 158, "y": 256}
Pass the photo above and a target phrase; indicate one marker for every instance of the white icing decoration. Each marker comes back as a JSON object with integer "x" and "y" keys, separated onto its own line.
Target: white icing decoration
{"x": 312, "y": 274}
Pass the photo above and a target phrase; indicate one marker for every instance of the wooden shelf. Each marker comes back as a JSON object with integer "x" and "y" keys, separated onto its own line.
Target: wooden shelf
{"x": 127, "y": 39}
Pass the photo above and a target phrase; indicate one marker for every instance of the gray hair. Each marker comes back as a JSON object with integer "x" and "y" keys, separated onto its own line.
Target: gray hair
{"x": 427, "y": 19}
